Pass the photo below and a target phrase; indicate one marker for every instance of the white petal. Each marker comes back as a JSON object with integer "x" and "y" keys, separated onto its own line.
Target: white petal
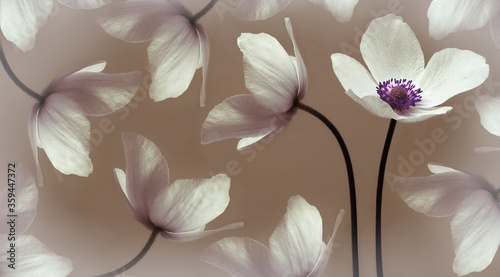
{"x": 137, "y": 21}
{"x": 299, "y": 63}
{"x": 240, "y": 116}
{"x": 249, "y": 141}
{"x": 440, "y": 194}
{"x": 25, "y": 194}
{"x": 33, "y": 258}
{"x": 189, "y": 204}
{"x": 64, "y": 134}
{"x": 375, "y": 105}
{"x": 270, "y": 74}
{"x": 495, "y": 28}
{"x": 353, "y": 75}
{"x": 34, "y": 141}
{"x": 485, "y": 149}
{"x": 121, "y": 179}
{"x": 20, "y": 20}
{"x": 390, "y": 49}
{"x": 341, "y": 9}
{"x": 476, "y": 232}
{"x": 418, "y": 113}
{"x": 489, "y": 112}
{"x": 174, "y": 55}
{"x": 259, "y": 9}
{"x": 447, "y": 16}
{"x": 439, "y": 168}
{"x": 297, "y": 242}
{"x": 84, "y": 4}
{"x": 204, "y": 58}
{"x": 240, "y": 257}
{"x": 146, "y": 174}
{"x": 198, "y": 233}
{"x": 450, "y": 72}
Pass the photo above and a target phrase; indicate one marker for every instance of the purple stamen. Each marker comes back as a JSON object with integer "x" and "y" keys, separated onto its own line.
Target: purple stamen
{"x": 400, "y": 94}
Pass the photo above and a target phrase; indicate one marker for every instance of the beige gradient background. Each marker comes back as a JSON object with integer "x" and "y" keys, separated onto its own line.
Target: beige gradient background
{"x": 87, "y": 220}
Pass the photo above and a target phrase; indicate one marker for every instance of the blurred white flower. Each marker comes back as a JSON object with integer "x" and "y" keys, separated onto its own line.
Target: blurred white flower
{"x": 473, "y": 203}
{"x": 58, "y": 124}
{"x": 448, "y": 16}
{"x": 263, "y": 9}
{"x": 178, "y": 46}
{"x": 406, "y": 91}
{"x": 31, "y": 257}
{"x": 20, "y": 20}
{"x": 275, "y": 80}
{"x": 180, "y": 209}
{"x": 296, "y": 247}
{"x": 489, "y": 112}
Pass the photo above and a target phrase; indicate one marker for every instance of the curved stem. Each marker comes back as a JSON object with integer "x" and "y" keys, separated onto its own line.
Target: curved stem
{"x": 137, "y": 258}
{"x": 203, "y": 11}
{"x": 380, "y": 188}
{"x": 16, "y": 80}
{"x": 350, "y": 175}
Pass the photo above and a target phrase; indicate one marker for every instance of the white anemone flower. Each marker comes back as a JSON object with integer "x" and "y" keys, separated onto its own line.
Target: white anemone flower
{"x": 397, "y": 85}
{"x": 20, "y": 20}
{"x": 296, "y": 247}
{"x": 58, "y": 124}
{"x": 252, "y": 10}
{"x": 473, "y": 203}
{"x": 275, "y": 80}
{"x": 32, "y": 257}
{"x": 181, "y": 209}
{"x": 448, "y": 16}
{"x": 178, "y": 46}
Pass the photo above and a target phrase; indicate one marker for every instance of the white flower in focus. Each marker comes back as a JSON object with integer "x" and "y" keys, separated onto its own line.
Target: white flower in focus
{"x": 296, "y": 247}
{"x": 178, "y": 46}
{"x": 59, "y": 124}
{"x": 180, "y": 209}
{"x": 473, "y": 203}
{"x": 397, "y": 85}
{"x": 20, "y": 20}
{"x": 275, "y": 80}
{"x": 449, "y": 16}
{"x": 263, "y": 9}
{"x": 32, "y": 257}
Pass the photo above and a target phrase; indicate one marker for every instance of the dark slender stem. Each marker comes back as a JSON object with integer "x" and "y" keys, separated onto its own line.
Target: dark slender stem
{"x": 204, "y": 11}
{"x": 137, "y": 258}
{"x": 350, "y": 175}
{"x": 380, "y": 189}
{"x": 16, "y": 80}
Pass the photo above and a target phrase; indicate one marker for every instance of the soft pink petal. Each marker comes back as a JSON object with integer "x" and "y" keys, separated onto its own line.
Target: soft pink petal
{"x": 240, "y": 257}
{"x": 270, "y": 73}
{"x": 33, "y": 259}
{"x": 476, "y": 232}
{"x": 448, "y": 16}
{"x": 390, "y": 49}
{"x": 136, "y": 20}
{"x": 259, "y": 9}
{"x": 341, "y": 9}
{"x": 198, "y": 233}
{"x": 450, "y": 72}
{"x": 64, "y": 134}
{"x": 495, "y": 28}
{"x": 353, "y": 76}
{"x": 20, "y": 20}
{"x": 489, "y": 112}
{"x": 84, "y": 4}
{"x": 299, "y": 63}
{"x": 204, "y": 58}
{"x": 174, "y": 55}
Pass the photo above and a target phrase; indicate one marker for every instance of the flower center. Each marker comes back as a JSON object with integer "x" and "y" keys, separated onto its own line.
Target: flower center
{"x": 400, "y": 94}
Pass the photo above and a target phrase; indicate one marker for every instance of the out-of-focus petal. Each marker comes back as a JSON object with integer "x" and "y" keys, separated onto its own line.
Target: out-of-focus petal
{"x": 20, "y": 20}
{"x": 299, "y": 62}
{"x": 84, "y": 4}
{"x": 199, "y": 233}
{"x": 34, "y": 141}
{"x": 485, "y": 149}
{"x": 64, "y": 134}
{"x": 270, "y": 74}
{"x": 204, "y": 58}
{"x": 390, "y": 49}
{"x": 189, "y": 204}
{"x": 135, "y": 20}
{"x": 438, "y": 195}
{"x": 353, "y": 75}
{"x": 447, "y": 16}
{"x": 259, "y": 9}
{"x": 476, "y": 232}
{"x": 341, "y": 9}
{"x": 240, "y": 257}
{"x": 450, "y": 72}
{"x": 174, "y": 55}
{"x": 146, "y": 174}
{"x": 33, "y": 258}
{"x": 25, "y": 194}
{"x": 489, "y": 112}
{"x": 297, "y": 242}
{"x": 495, "y": 28}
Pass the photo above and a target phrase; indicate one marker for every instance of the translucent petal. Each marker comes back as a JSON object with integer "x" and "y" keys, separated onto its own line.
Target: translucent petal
{"x": 489, "y": 112}
{"x": 341, "y": 9}
{"x": 259, "y": 9}
{"x": 84, "y": 4}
